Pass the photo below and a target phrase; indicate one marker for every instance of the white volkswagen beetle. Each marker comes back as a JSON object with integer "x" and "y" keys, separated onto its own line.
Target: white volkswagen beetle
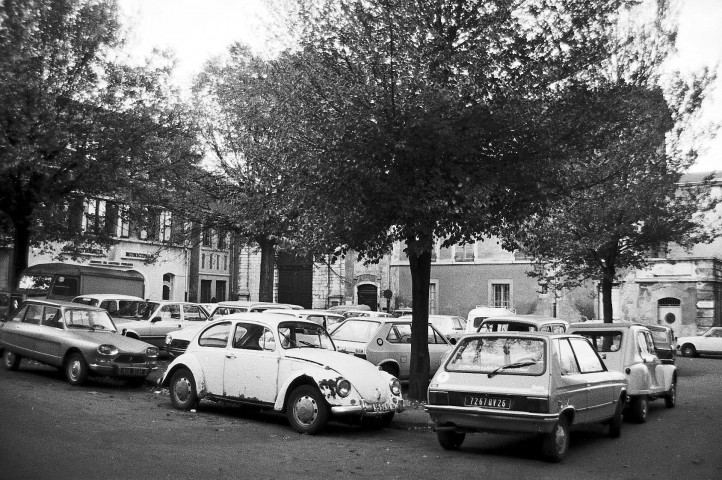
{"x": 281, "y": 363}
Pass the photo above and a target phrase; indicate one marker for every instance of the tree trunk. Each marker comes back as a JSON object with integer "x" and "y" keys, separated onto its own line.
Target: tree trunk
{"x": 607, "y": 283}
{"x": 268, "y": 263}
{"x": 419, "y": 253}
{"x": 21, "y": 249}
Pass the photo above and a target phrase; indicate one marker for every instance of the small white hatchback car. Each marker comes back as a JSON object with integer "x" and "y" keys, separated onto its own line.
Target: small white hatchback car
{"x": 282, "y": 363}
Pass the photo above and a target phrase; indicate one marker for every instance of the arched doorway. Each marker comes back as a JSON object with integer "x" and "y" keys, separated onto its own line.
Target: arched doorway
{"x": 368, "y": 295}
{"x": 168, "y": 286}
{"x": 669, "y": 313}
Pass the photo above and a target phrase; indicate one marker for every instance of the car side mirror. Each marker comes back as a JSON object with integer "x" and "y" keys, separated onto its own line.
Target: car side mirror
{"x": 156, "y": 319}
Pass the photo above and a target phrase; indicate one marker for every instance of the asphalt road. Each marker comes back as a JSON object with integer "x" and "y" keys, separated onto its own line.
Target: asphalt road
{"x": 106, "y": 430}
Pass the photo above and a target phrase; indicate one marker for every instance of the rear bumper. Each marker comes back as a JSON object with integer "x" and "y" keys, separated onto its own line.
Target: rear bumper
{"x": 474, "y": 419}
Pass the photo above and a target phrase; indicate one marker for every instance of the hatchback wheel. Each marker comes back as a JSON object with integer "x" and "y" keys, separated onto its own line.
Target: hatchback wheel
{"x": 76, "y": 370}
{"x": 556, "y": 442}
{"x": 11, "y": 360}
{"x": 306, "y": 410}
{"x": 450, "y": 440}
{"x": 183, "y": 393}
{"x": 640, "y": 407}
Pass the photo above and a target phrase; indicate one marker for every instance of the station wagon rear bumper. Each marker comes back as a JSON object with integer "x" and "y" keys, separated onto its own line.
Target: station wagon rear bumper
{"x": 475, "y": 419}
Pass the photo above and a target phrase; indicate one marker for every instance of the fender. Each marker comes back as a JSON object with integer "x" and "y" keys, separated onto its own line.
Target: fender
{"x": 391, "y": 361}
{"x": 320, "y": 376}
{"x": 191, "y": 363}
{"x": 665, "y": 375}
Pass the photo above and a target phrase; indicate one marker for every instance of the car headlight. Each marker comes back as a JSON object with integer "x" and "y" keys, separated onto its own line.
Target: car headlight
{"x": 168, "y": 339}
{"x": 108, "y": 349}
{"x": 395, "y": 386}
{"x": 152, "y": 352}
{"x": 343, "y": 388}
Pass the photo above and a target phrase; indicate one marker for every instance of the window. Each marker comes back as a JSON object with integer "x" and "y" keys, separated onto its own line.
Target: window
{"x": 203, "y": 260}
{"x": 123, "y": 221}
{"x": 109, "y": 305}
{"x": 94, "y": 220}
{"x": 193, "y": 313}
{"x": 604, "y": 342}
{"x": 170, "y": 312}
{"x": 356, "y": 331}
{"x": 66, "y": 287}
{"x": 566, "y": 358}
{"x": 500, "y": 295}
{"x": 432, "y": 298}
{"x": 34, "y": 315}
{"x": 464, "y": 253}
{"x": 434, "y": 337}
{"x": 589, "y": 361}
{"x": 166, "y": 226}
{"x": 206, "y": 234}
{"x": 249, "y": 336}
{"x": 222, "y": 240}
{"x": 18, "y": 317}
{"x": 399, "y": 334}
{"x": 215, "y": 336}
{"x": 51, "y": 315}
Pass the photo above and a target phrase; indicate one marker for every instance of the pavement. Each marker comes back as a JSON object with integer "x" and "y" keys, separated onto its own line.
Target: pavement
{"x": 414, "y": 417}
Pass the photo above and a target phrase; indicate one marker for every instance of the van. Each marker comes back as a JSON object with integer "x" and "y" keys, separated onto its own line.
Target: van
{"x": 63, "y": 281}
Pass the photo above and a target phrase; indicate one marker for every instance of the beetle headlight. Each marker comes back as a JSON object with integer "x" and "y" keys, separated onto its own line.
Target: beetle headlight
{"x": 107, "y": 349}
{"x": 152, "y": 352}
{"x": 343, "y": 388}
{"x": 395, "y": 386}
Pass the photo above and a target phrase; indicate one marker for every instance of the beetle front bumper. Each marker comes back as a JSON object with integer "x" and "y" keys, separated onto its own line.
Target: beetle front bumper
{"x": 396, "y": 405}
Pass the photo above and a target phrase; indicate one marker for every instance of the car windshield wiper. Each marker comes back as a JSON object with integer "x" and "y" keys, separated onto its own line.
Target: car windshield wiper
{"x": 522, "y": 363}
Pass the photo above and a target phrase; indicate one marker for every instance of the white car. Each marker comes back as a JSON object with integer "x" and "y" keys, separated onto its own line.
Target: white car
{"x": 110, "y": 302}
{"x": 452, "y": 326}
{"x": 282, "y": 363}
{"x": 710, "y": 343}
{"x": 481, "y": 313}
{"x": 151, "y": 321}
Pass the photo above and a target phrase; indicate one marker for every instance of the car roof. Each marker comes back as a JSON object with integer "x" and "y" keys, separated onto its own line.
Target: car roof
{"x": 61, "y": 303}
{"x": 109, "y": 296}
{"x": 531, "y": 319}
{"x": 269, "y": 319}
{"x": 603, "y": 325}
{"x": 520, "y": 334}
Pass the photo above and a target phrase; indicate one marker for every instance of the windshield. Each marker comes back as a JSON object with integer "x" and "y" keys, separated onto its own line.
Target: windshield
{"x": 137, "y": 310}
{"x": 304, "y": 335}
{"x": 503, "y": 355}
{"x": 359, "y": 331}
{"x": 35, "y": 283}
{"x": 88, "y": 320}
{"x": 661, "y": 337}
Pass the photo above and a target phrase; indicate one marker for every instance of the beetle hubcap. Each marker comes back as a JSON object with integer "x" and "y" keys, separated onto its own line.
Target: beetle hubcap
{"x": 182, "y": 389}
{"x": 305, "y": 410}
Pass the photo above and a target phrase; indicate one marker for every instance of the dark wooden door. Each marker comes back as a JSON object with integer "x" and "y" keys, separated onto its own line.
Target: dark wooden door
{"x": 368, "y": 295}
{"x": 295, "y": 280}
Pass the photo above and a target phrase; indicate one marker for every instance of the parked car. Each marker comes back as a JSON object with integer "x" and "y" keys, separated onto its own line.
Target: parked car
{"x": 286, "y": 364}
{"x": 452, "y": 326}
{"x": 151, "y": 321}
{"x": 386, "y": 342}
{"x": 629, "y": 348}
{"x": 400, "y": 312}
{"x": 524, "y": 382}
{"x": 365, "y": 313}
{"x": 344, "y": 308}
{"x": 177, "y": 340}
{"x": 523, "y": 323}
{"x": 209, "y": 307}
{"x": 80, "y": 339}
{"x": 665, "y": 346}
{"x": 709, "y": 343}
{"x": 321, "y": 317}
{"x": 110, "y": 302}
{"x": 480, "y": 313}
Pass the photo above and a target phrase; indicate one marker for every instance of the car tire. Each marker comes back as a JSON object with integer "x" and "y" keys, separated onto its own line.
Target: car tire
{"x": 450, "y": 440}
{"x": 688, "y": 350}
{"x": 615, "y": 423}
{"x": 670, "y": 400}
{"x": 183, "y": 394}
{"x": 11, "y": 360}
{"x": 306, "y": 410}
{"x": 76, "y": 369}
{"x": 640, "y": 408}
{"x": 556, "y": 443}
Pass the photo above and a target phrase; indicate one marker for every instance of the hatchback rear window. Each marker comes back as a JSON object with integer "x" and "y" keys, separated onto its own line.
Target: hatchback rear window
{"x": 502, "y": 355}
{"x": 604, "y": 341}
{"x": 355, "y": 331}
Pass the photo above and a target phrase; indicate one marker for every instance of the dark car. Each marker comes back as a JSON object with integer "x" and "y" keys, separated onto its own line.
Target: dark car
{"x": 79, "y": 339}
{"x": 664, "y": 343}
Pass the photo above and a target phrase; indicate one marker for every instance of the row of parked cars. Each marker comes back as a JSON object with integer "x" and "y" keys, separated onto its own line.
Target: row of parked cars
{"x": 512, "y": 373}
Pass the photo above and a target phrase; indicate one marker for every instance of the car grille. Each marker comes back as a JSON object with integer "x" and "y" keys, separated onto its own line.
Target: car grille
{"x": 128, "y": 358}
{"x": 178, "y": 347}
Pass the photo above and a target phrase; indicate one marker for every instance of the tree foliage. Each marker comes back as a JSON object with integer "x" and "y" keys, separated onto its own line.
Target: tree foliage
{"x": 75, "y": 121}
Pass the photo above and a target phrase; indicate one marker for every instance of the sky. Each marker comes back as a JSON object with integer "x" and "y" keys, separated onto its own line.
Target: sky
{"x": 199, "y": 30}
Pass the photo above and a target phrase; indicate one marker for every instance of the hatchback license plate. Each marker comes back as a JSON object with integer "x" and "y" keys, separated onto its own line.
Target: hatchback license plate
{"x": 132, "y": 371}
{"x": 503, "y": 403}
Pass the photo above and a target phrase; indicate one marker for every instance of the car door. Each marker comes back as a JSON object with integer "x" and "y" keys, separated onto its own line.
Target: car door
{"x": 251, "y": 365}
{"x": 19, "y": 333}
{"x": 48, "y": 340}
{"x": 167, "y": 319}
{"x": 600, "y": 387}
{"x": 645, "y": 346}
{"x": 711, "y": 341}
{"x": 211, "y": 355}
{"x": 572, "y": 388}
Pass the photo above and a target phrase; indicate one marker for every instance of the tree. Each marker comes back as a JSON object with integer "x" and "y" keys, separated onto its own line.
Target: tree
{"x": 598, "y": 232}
{"x": 75, "y": 122}
{"x": 418, "y": 120}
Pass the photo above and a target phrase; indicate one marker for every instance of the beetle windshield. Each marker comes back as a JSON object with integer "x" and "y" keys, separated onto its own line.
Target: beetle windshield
{"x": 304, "y": 335}
{"x": 88, "y": 320}
{"x": 503, "y": 355}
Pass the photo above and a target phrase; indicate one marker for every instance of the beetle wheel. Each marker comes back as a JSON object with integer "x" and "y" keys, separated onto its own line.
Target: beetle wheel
{"x": 11, "y": 360}
{"x": 306, "y": 410}
{"x": 183, "y": 393}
